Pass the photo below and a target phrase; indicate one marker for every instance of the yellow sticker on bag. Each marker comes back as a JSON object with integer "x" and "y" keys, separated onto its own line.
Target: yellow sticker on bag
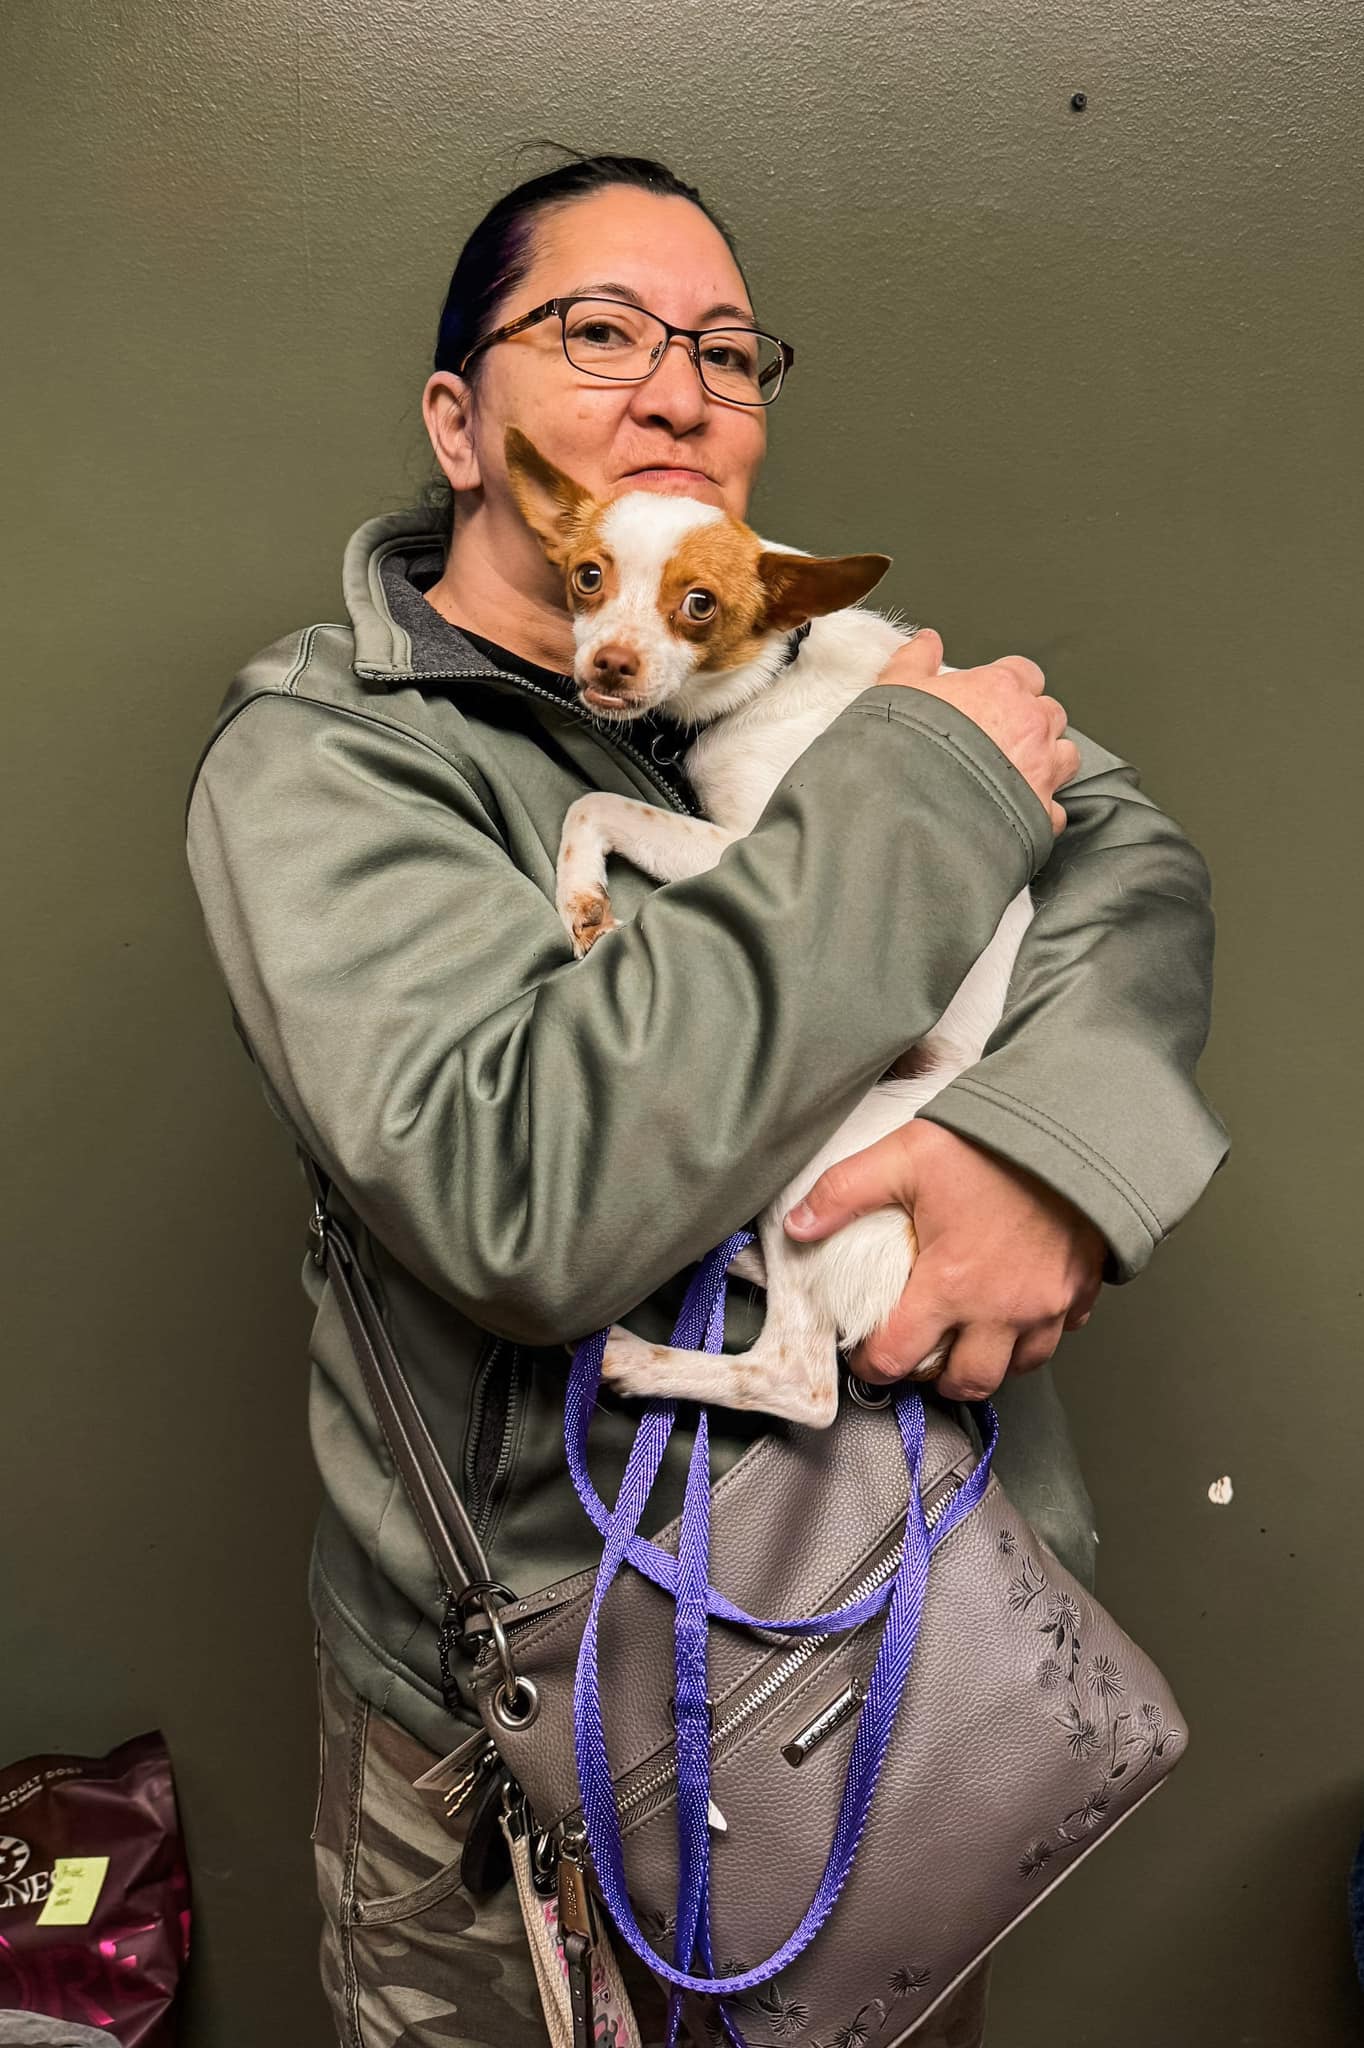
{"x": 77, "y": 1882}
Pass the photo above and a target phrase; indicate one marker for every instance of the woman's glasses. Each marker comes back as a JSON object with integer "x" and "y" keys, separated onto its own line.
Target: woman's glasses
{"x": 612, "y": 338}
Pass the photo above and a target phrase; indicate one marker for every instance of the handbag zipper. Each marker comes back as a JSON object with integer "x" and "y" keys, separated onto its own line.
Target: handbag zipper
{"x": 661, "y": 1777}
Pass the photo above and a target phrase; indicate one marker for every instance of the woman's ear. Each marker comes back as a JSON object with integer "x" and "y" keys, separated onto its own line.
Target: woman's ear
{"x": 447, "y": 409}
{"x": 801, "y": 587}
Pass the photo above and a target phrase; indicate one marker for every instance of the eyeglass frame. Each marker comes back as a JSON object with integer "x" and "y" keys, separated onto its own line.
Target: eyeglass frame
{"x": 693, "y": 335}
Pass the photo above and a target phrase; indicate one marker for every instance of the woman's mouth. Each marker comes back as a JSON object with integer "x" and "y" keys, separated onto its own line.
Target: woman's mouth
{"x": 669, "y": 478}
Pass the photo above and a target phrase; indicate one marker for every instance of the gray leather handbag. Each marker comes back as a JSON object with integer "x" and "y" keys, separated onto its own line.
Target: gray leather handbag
{"x": 1029, "y": 1727}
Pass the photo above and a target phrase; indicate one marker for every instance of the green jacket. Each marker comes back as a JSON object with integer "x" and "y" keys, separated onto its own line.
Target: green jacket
{"x": 528, "y": 1146}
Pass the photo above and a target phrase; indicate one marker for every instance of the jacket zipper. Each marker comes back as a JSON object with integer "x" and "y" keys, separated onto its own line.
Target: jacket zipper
{"x": 675, "y": 799}
{"x": 480, "y": 1503}
{"x": 482, "y": 1500}
{"x": 648, "y": 1789}
{"x": 497, "y": 1485}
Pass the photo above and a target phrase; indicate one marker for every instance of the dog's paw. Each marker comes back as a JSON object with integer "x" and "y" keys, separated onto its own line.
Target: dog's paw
{"x": 630, "y": 1365}
{"x": 588, "y": 918}
{"x": 749, "y": 1265}
{"x": 934, "y": 1364}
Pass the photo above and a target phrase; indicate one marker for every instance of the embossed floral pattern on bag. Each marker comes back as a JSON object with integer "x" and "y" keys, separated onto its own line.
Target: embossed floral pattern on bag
{"x": 1124, "y": 1741}
{"x": 769, "y": 2016}
{"x": 1086, "y": 1698}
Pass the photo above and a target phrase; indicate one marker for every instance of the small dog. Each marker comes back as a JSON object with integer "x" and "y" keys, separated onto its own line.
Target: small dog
{"x": 679, "y": 607}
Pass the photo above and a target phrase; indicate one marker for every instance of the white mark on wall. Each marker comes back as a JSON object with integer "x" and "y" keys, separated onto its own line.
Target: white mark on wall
{"x": 1219, "y": 1493}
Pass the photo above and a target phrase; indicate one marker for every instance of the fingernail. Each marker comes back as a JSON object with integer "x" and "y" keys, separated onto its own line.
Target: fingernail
{"x": 801, "y": 1217}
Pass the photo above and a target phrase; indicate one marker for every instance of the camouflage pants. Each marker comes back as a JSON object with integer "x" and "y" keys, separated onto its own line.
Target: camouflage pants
{"x": 409, "y": 1958}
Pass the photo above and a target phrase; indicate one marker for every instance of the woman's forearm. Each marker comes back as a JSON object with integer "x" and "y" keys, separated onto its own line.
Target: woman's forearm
{"x": 1090, "y": 1080}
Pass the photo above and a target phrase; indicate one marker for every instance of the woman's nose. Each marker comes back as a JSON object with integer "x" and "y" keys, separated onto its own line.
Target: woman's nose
{"x": 673, "y": 390}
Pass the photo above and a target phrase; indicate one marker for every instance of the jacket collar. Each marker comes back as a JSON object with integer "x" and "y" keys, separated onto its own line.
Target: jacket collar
{"x": 383, "y": 646}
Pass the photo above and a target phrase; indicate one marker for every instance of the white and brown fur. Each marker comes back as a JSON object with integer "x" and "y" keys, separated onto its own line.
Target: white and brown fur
{"x": 725, "y": 675}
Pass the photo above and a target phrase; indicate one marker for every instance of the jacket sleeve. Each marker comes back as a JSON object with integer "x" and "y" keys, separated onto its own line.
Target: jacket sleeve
{"x": 1089, "y": 1081}
{"x": 545, "y": 1141}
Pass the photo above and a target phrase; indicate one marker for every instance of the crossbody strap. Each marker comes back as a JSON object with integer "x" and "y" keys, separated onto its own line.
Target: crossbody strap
{"x": 442, "y": 1514}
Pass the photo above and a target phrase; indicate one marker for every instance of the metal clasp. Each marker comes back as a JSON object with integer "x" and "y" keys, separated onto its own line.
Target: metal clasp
{"x": 317, "y": 1231}
{"x": 516, "y": 1701}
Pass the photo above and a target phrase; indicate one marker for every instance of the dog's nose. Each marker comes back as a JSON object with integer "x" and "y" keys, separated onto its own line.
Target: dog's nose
{"x": 615, "y": 663}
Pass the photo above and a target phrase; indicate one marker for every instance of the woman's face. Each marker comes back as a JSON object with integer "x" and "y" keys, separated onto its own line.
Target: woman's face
{"x": 602, "y": 434}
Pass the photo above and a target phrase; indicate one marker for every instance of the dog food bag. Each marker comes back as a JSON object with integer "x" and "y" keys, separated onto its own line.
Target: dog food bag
{"x": 94, "y": 1899}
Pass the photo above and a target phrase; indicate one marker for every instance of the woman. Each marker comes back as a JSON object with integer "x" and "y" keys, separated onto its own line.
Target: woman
{"x": 527, "y": 1147}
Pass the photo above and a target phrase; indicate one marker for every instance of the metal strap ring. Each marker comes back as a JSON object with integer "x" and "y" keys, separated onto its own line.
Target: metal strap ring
{"x": 505, "y": 1703}
{"x": 863, "y": 1395}
{"x": 502, "y": 1647}
{"x": 516, "y": 1701}
{"x": 480, "y": 1594}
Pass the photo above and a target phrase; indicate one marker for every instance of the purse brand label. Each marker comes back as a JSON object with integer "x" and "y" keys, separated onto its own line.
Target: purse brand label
{"x": 833, "y": 1716}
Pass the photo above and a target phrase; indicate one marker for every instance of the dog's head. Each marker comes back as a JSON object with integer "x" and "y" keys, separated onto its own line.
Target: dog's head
{"x": 674, "y": 602}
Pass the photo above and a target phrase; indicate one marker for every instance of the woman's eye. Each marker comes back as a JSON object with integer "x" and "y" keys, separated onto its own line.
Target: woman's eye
{"x": 595, "y": 336}
{"x": 698, "y": 606}
{"x": 587, "y": 579}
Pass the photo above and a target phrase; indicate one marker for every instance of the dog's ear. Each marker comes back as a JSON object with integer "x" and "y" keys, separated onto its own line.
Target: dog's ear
{"x": 552, "y": 505}
{"x": 801, "y": 587}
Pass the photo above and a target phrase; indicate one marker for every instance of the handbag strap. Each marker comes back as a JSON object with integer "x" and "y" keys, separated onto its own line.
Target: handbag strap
{"x": 442, "y": 1514}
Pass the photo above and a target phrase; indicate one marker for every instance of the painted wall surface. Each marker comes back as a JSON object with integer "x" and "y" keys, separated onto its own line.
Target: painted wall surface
{"x": 1093, "y": 378}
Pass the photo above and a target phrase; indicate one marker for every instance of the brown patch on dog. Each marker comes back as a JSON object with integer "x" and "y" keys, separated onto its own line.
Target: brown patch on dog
{"x": 911, "y": 1064}
{"x": 721, "y": 558}
{"x": 934, "y": 1372}
{"x": 565, "y": 519}
{"x": 757, "y": 590}
{"x": 748, "y": 1381}
{"x": 589, "y": 916}
{"x": 558, "y": 511}
{"x": 801, "y": 587}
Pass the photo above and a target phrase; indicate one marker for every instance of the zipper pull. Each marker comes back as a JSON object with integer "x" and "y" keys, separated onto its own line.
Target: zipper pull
{"x": 515, "y": 1824}
{"x": 577, "y": 1910}
{"x": 577, "y": 1930}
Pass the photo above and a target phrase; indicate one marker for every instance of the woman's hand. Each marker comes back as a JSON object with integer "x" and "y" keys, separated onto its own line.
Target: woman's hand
{"x": 1005, "y": 1264}
{"x": 1005, "y": 699}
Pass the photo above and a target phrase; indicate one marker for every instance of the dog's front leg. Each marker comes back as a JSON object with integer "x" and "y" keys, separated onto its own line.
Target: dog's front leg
{"x": 662, "y": 843}
{"x": 791, "y": 1369}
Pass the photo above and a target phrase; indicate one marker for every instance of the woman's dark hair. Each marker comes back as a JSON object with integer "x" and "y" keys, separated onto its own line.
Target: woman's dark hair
{"x": 498, "y": 255}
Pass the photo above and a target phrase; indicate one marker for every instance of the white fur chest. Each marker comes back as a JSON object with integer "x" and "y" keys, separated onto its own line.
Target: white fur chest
{"x": 736, "y": 762}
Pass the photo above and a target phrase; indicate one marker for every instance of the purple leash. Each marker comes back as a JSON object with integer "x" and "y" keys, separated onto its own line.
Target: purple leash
{"x": 700, "y": 1326}
{"x": 658, "y": 1565}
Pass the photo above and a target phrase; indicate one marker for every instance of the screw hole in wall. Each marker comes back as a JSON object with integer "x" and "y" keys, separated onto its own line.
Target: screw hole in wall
{"x": 1079, "y": 101}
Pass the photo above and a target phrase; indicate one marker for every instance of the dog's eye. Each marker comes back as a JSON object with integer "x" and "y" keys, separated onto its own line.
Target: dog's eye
{"x": 698, "y": 606}
{"x": 587, "y": 579}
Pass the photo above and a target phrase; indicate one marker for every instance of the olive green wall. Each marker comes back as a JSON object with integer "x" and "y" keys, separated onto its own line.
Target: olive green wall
{"x": 1093, "y": 378}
